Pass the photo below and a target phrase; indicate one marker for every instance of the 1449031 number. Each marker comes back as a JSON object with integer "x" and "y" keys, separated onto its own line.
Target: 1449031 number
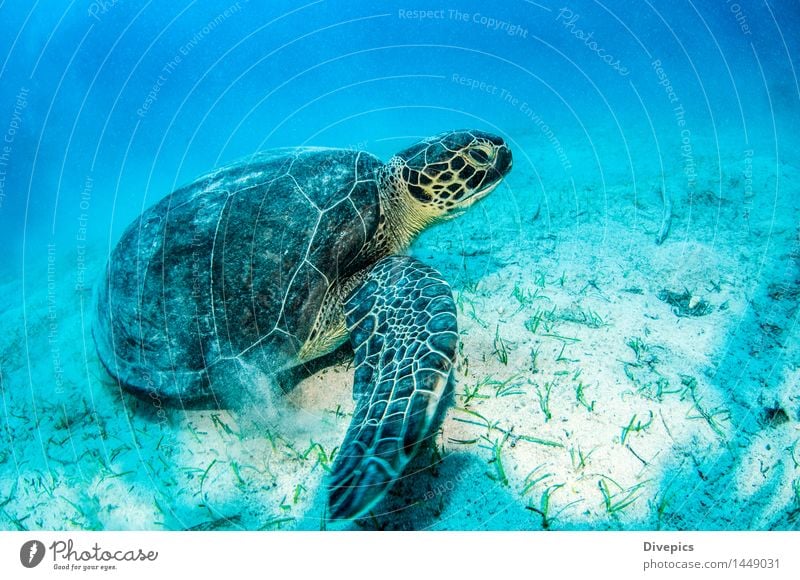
{"x": 757, "y": 563}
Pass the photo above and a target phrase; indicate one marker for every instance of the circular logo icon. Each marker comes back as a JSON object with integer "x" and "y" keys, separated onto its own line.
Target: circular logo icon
{"x": 31, "y": 553}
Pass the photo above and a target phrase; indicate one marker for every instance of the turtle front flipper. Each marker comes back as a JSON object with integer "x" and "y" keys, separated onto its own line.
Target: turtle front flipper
{"x": 402, "y": 323}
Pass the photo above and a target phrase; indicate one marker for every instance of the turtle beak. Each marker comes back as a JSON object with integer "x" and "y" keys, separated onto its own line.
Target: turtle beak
{"x": 503, "y": 161}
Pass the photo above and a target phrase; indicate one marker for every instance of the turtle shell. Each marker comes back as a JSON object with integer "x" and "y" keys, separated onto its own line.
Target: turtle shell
{"x": 233, "y": 268}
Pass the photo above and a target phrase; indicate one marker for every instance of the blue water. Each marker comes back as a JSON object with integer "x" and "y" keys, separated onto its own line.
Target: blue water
{"x": 108, "y": 106}
{"x": 339, "y": 74}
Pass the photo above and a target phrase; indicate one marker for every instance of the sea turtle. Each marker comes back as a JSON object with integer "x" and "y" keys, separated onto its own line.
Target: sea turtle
{"x": 268, "y": 263}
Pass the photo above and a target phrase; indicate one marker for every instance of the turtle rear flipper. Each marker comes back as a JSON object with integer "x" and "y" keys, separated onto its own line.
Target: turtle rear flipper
{"x": 402, "y": 323}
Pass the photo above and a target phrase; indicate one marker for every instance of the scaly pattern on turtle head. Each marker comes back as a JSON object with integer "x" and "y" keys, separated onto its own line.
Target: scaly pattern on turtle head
{"x": 441, "y": 176}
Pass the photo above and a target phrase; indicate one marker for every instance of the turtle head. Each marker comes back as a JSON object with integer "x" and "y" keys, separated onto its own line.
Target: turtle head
{"x": 441, "y": 176}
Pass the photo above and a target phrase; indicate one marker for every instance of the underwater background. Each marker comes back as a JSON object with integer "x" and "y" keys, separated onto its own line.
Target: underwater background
{"x": 627, "y": 297}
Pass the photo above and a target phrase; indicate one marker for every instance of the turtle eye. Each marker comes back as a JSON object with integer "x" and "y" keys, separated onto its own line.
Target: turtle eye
{"x": 481, "y": 155}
